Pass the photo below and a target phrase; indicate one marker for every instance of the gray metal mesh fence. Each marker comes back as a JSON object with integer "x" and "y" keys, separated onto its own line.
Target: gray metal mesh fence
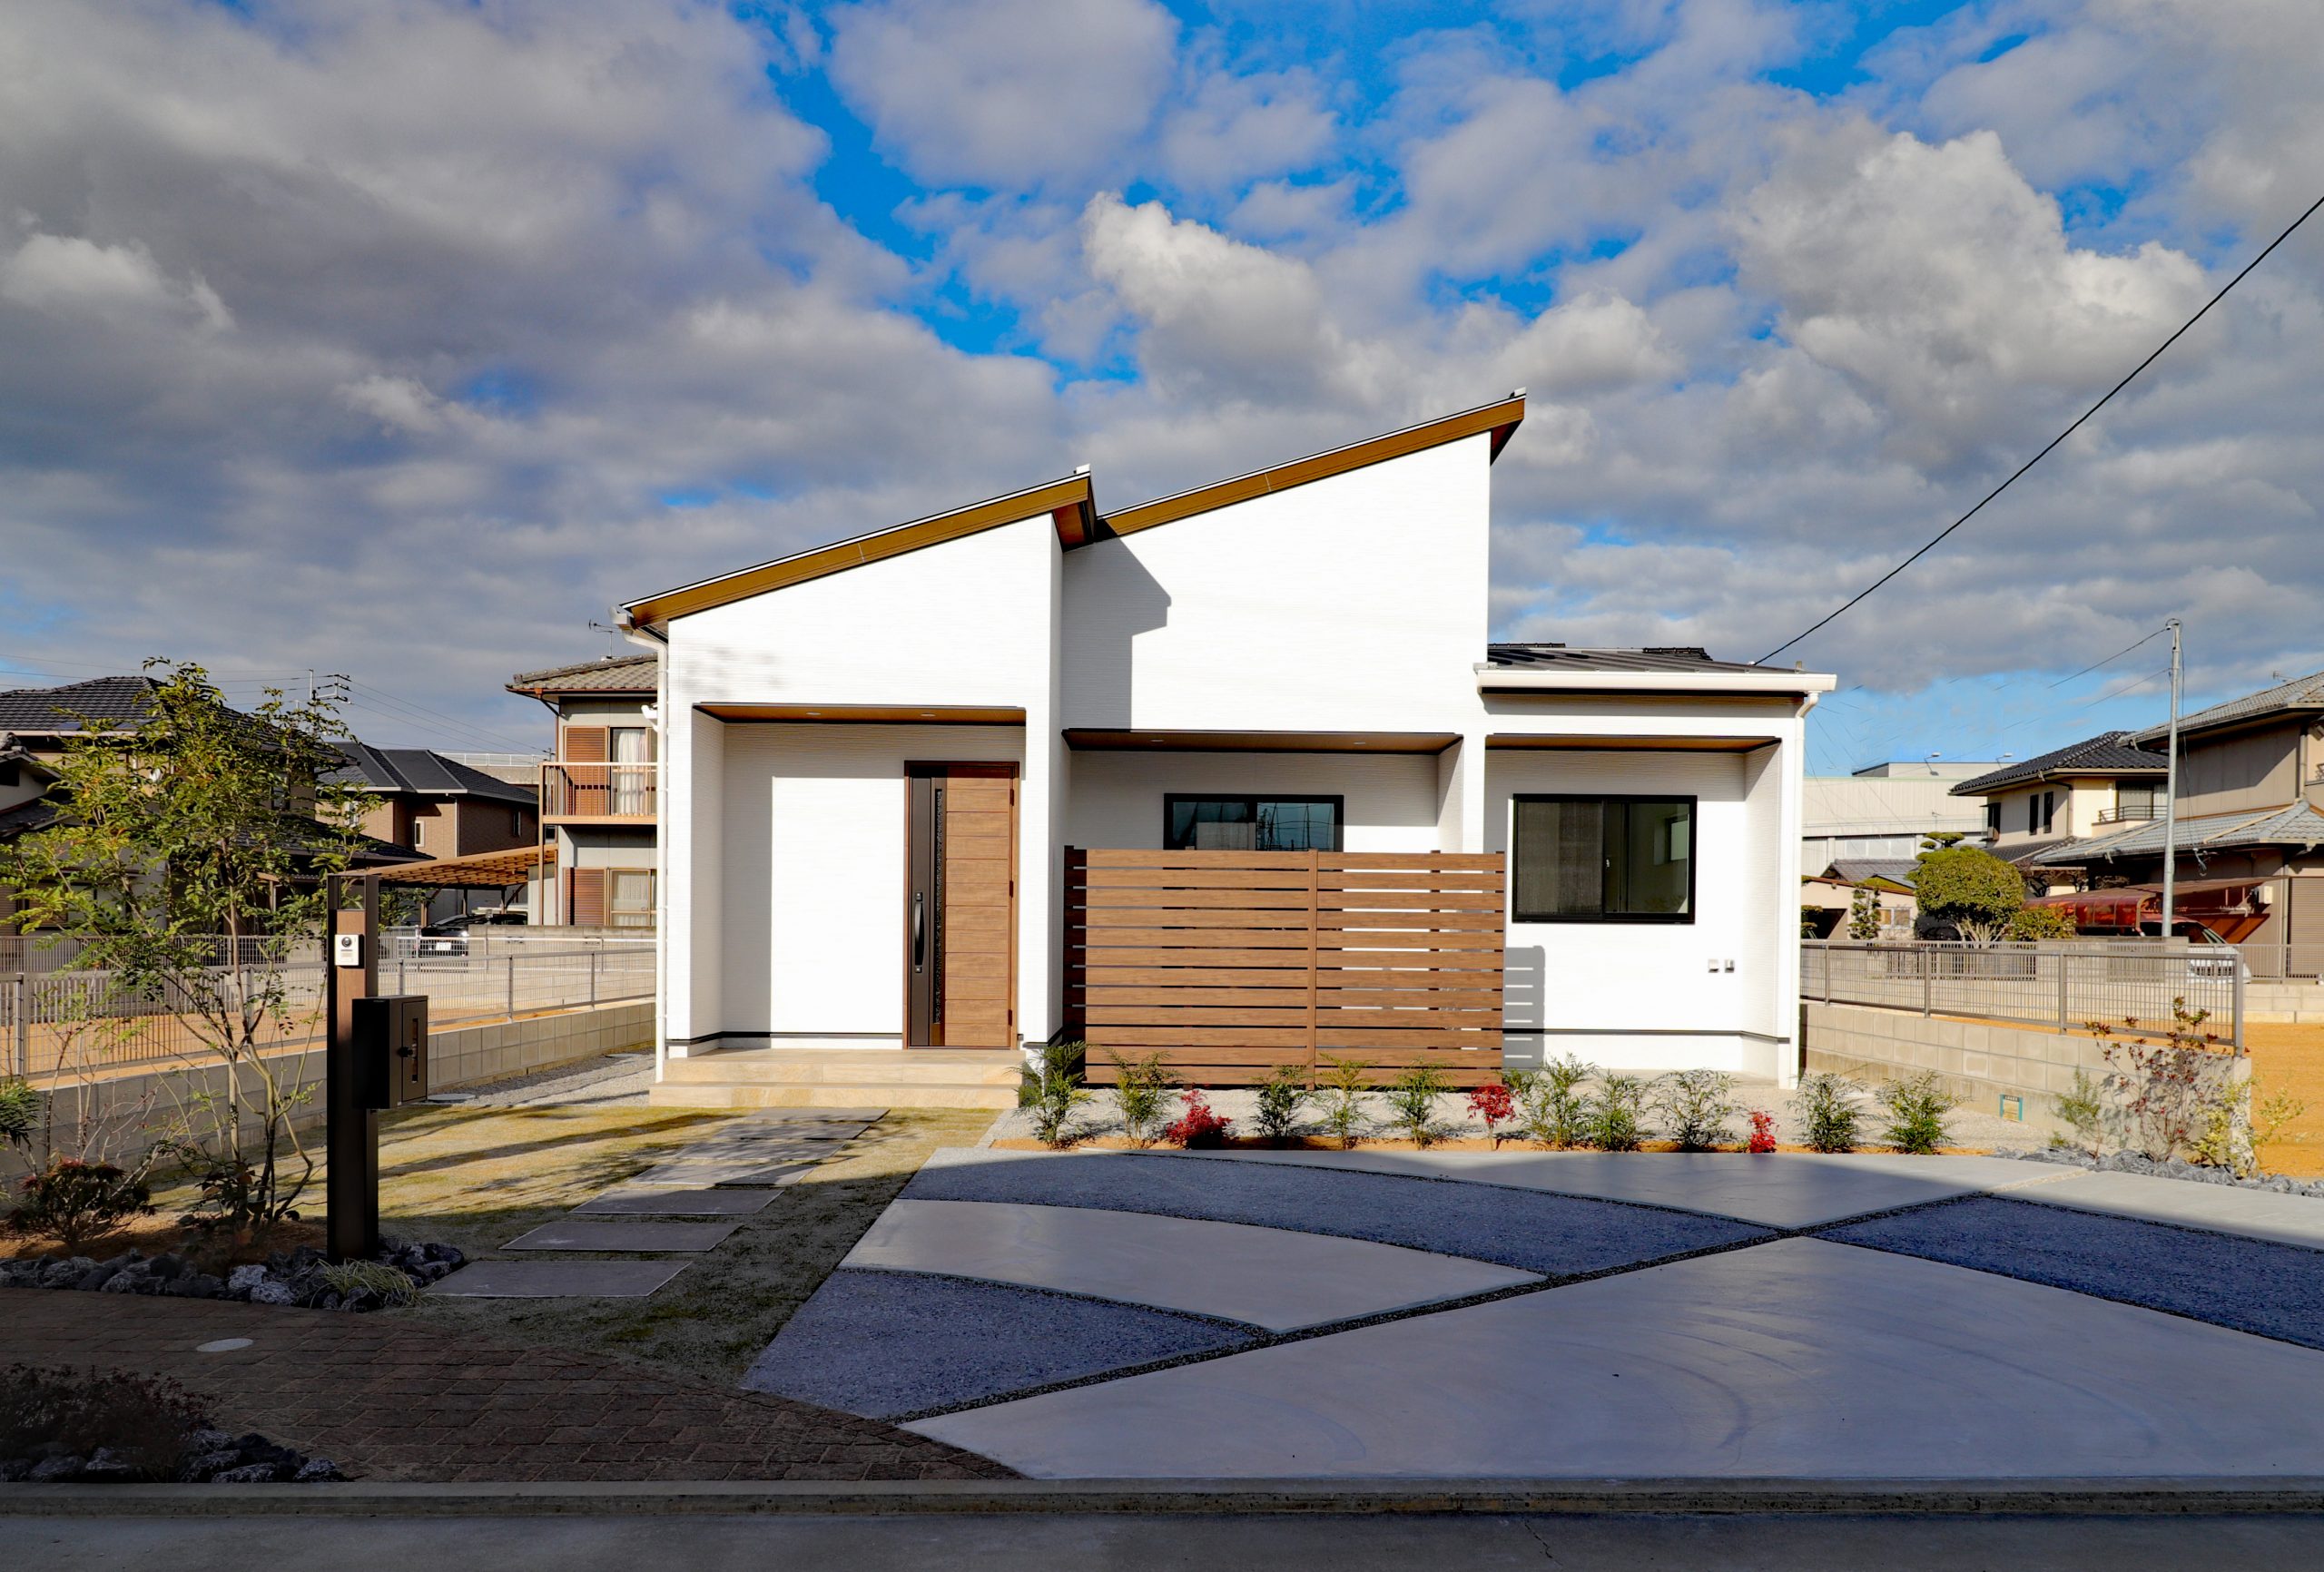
{"x": 2060, "y": 985}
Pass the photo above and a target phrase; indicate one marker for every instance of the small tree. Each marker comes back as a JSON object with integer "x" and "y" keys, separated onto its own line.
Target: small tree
{"x": 188, "y": 860}
{"x": 1864, "y": 915}
{"x": 2039, "y": 925}
{"x": 1970, "y": 891}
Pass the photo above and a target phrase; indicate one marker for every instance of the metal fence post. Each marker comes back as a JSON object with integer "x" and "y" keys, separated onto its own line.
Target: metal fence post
{"x": 511, "y": 964}
{"x": 2237, "y": 1002}
{"x": 1928, "y": 980}
{"x": 2065, "y": 989}
{"x": 593, "y": 974}
{"x": 25, "y": 1029}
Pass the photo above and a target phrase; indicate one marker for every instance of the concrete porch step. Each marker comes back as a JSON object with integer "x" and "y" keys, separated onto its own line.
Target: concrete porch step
{"x": 869, "y": 1067}
{"x": 682, "y": 1095}
{"x": 841, "y": 1078}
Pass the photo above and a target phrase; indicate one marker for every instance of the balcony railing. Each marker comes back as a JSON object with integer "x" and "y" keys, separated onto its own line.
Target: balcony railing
{"x": 598, "y": 791}
{"x": 2130, "y": 813}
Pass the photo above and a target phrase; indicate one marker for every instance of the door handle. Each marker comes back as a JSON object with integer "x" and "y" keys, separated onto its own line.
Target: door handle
{"x": 919, "y": 932}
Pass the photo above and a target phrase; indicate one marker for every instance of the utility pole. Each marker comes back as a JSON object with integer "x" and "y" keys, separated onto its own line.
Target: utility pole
{"x": 2171, "y": 790}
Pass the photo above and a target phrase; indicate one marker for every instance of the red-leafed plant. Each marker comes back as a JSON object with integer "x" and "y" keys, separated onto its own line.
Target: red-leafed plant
{"x": 1198, "y": 1125}
{"x": 1493, "y": 1103}
{"x": 1763, "y": 1131}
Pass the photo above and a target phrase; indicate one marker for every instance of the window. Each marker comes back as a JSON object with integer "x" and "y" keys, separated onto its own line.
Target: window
{"x": 1604, "y": 859}
{"x": 1191, "y": 823}
{"x": 1993, "y": 819}
{"x": 630, "y": 897}
{"x": 418, "y": 833}
{"x": 2137, "y": 801}
{"x": 2048, "y": 809}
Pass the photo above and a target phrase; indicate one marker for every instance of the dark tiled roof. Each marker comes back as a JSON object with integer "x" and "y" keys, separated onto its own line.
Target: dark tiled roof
{"x": 2297, "y": 825}
{"x": 2108, "y": 754}
{"x": 420, "y": 772}
{"x": 25, "y": 817}
{"x": 2299, "y": 693}
{"x": 32, "y": 711}
{"x": 608, "y": 674}
{"x": 1858, "y": 869}
{"x": 1652, "y": 658}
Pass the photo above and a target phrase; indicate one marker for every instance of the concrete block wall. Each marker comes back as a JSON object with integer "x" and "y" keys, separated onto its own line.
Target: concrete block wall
{"x": 1977, "y": 1062}
{"x": 458, "y": 1057}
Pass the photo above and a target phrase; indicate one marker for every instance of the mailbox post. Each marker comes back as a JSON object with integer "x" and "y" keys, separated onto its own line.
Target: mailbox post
{"x": 376, "y": 1057}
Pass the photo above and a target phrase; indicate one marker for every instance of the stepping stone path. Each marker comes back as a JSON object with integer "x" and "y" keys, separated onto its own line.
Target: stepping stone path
{"x": 729, "y": 1173}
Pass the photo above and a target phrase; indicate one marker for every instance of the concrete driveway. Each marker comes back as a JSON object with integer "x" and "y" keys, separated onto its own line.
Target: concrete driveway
{"x": 1521, "y": 1314}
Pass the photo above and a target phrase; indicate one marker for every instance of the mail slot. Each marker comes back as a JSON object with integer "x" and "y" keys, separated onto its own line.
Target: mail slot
{"x": 391, "y": 1049}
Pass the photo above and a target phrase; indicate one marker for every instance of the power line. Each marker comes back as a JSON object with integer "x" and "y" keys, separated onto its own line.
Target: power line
{"x": 2109, "y": 660}
{"x": 1939, "y": 538}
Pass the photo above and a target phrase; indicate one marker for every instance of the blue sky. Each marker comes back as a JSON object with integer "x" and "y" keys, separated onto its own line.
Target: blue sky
{"x": 386, "y": 311}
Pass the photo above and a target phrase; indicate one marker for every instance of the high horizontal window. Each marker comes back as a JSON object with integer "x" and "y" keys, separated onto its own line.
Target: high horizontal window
{"x": 1603, "y": 859}
{"x": 1204, "y": 823}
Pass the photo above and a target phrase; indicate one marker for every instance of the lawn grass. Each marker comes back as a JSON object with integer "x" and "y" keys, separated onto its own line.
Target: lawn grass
{"x": 479, "y": 1178}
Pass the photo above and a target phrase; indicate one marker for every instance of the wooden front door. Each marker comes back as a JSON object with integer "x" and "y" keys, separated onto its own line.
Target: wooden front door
{"x": 961, "y": 907}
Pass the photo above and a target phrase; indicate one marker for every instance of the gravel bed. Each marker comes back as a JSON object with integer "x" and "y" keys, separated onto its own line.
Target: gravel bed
{"x": 2197, "y": 1172}
{"x": 2248, "y": 1285}
{"x": 1966, "y": 1127}
{"x": 1556, "y": 1236}
{"x": 614, "y": 1080}
{"x": 889, "y": 1344}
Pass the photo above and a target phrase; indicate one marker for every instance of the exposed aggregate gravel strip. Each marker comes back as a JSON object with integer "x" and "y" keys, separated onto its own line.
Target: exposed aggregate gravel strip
{"x": 1557, "y": 1235}
{"x": 2274, "y": 1291}
{"x": 889, "y": 1344}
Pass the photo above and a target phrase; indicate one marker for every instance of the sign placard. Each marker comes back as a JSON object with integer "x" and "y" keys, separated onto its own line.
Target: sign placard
{"x": 346, "y": 949}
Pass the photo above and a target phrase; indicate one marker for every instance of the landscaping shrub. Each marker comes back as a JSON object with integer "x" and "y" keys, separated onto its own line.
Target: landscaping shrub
{"x": 1141, "y": 1090}
{"x": 142, "y": 1421}
{"x": 1553, "y": 1102}
{"x": 1344, "y": 1099}
{"x": 1413, "y": 1097}
{"x": 1199, "y": 1127}
{"x": 1496, "y": 1105}
{"x": 350, "y": 1280}
{"x": 73, "y": 1201}
{"x": 1060, "y": 1093}
{"x": 1763, "y": 1132}
{"x": 1916, "y": 1110}
{"x": 19, "y": 1112}
{"x": 1696, "y": 1106}
{"x": 1827, "y": 1109}
{"x": 1281, "y": 1098}
{"x": 2083, "y": 1111}
{"x": 1610, "y": 1118}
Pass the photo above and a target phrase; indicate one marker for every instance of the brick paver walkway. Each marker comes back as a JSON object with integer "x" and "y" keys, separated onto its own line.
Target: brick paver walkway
{"x": 388, "y": 1399}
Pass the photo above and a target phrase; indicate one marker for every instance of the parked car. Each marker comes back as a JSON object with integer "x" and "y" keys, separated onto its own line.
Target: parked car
{"x": 2212, "y": 958}
{"x": 450, "y": 937}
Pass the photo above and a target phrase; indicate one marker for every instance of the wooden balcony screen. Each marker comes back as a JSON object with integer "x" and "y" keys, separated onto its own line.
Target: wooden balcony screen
{"x": 1232, "y": 963}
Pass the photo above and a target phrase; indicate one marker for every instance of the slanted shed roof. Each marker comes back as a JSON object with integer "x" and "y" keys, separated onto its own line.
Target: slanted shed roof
{"x": 420, "y": 772}
{"x": 32, "y": 711}
{"x": 2301, "y": 695}
{"x": 2299, "y": 825}
{"x": 1652, "y": 658}
{"x": 1899, "y": 871}
{"x": 2108, "y": 754}
{"x": 606, "y": 674}
{"x": 1071, "y": 503}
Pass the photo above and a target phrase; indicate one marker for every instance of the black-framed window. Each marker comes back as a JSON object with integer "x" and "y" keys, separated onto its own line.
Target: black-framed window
{"x": 1204, "y": 821}
{"x": 1603, "y": 859}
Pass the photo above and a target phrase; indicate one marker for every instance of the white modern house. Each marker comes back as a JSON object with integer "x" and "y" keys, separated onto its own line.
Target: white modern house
{"x": 904, "y": 775}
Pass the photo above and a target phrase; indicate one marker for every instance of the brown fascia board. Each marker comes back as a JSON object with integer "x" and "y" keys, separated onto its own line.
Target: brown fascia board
{"x": 1501, "y": 418}
{"x": 1069, "y": 502}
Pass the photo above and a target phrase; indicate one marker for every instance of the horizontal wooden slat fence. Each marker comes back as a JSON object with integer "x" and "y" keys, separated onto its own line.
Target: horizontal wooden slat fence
{"x": 1232, "y": 963}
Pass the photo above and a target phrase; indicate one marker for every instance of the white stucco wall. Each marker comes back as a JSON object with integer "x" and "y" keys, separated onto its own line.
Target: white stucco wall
{"x": 1643, "y": 995}
{"x": 1354, "y": 603}
{"x": 1391, "y": 798}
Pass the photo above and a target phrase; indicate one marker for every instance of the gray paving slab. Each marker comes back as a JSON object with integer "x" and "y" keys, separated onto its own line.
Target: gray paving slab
{"x": 1266, "y": 1276}
{"x": 556, "y": 1278}
{"x": 2254, "y": 1285}
{"x": 739, "y": 1138}
{"x": 1778, "y": 1190}
{"x": 887, "y": 1343}
{"x": 1555, "y": 1235}
{"x": 687, "y": 1175}
{"x": 676, "y": 1203}
{"x": 643, "y": 1234}
{"x": 2222, "y": 1208}
{"x": 1795, "y": 1359}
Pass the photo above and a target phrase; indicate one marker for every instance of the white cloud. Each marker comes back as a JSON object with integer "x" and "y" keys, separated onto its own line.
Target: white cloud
{"x": 1235, "y": 128}
{"x": 1007, "y": 92}
{"x": 68, "y": 274}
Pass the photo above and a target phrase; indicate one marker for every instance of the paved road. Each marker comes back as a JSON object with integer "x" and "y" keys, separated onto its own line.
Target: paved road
{"x": 1080, "y": 1544}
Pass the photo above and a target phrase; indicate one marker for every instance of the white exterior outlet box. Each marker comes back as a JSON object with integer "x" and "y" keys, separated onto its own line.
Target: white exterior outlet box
{"x": 346, "y": 949}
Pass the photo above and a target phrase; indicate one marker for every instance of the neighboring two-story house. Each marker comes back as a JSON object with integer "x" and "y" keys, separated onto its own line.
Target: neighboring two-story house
{"x": 2037, "y": 809}
{"x": 599, "y": 794}
{"x": 2250, "y": 833}
{"x": 1234, "y": 775}
{"x": 442, "y": 808}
